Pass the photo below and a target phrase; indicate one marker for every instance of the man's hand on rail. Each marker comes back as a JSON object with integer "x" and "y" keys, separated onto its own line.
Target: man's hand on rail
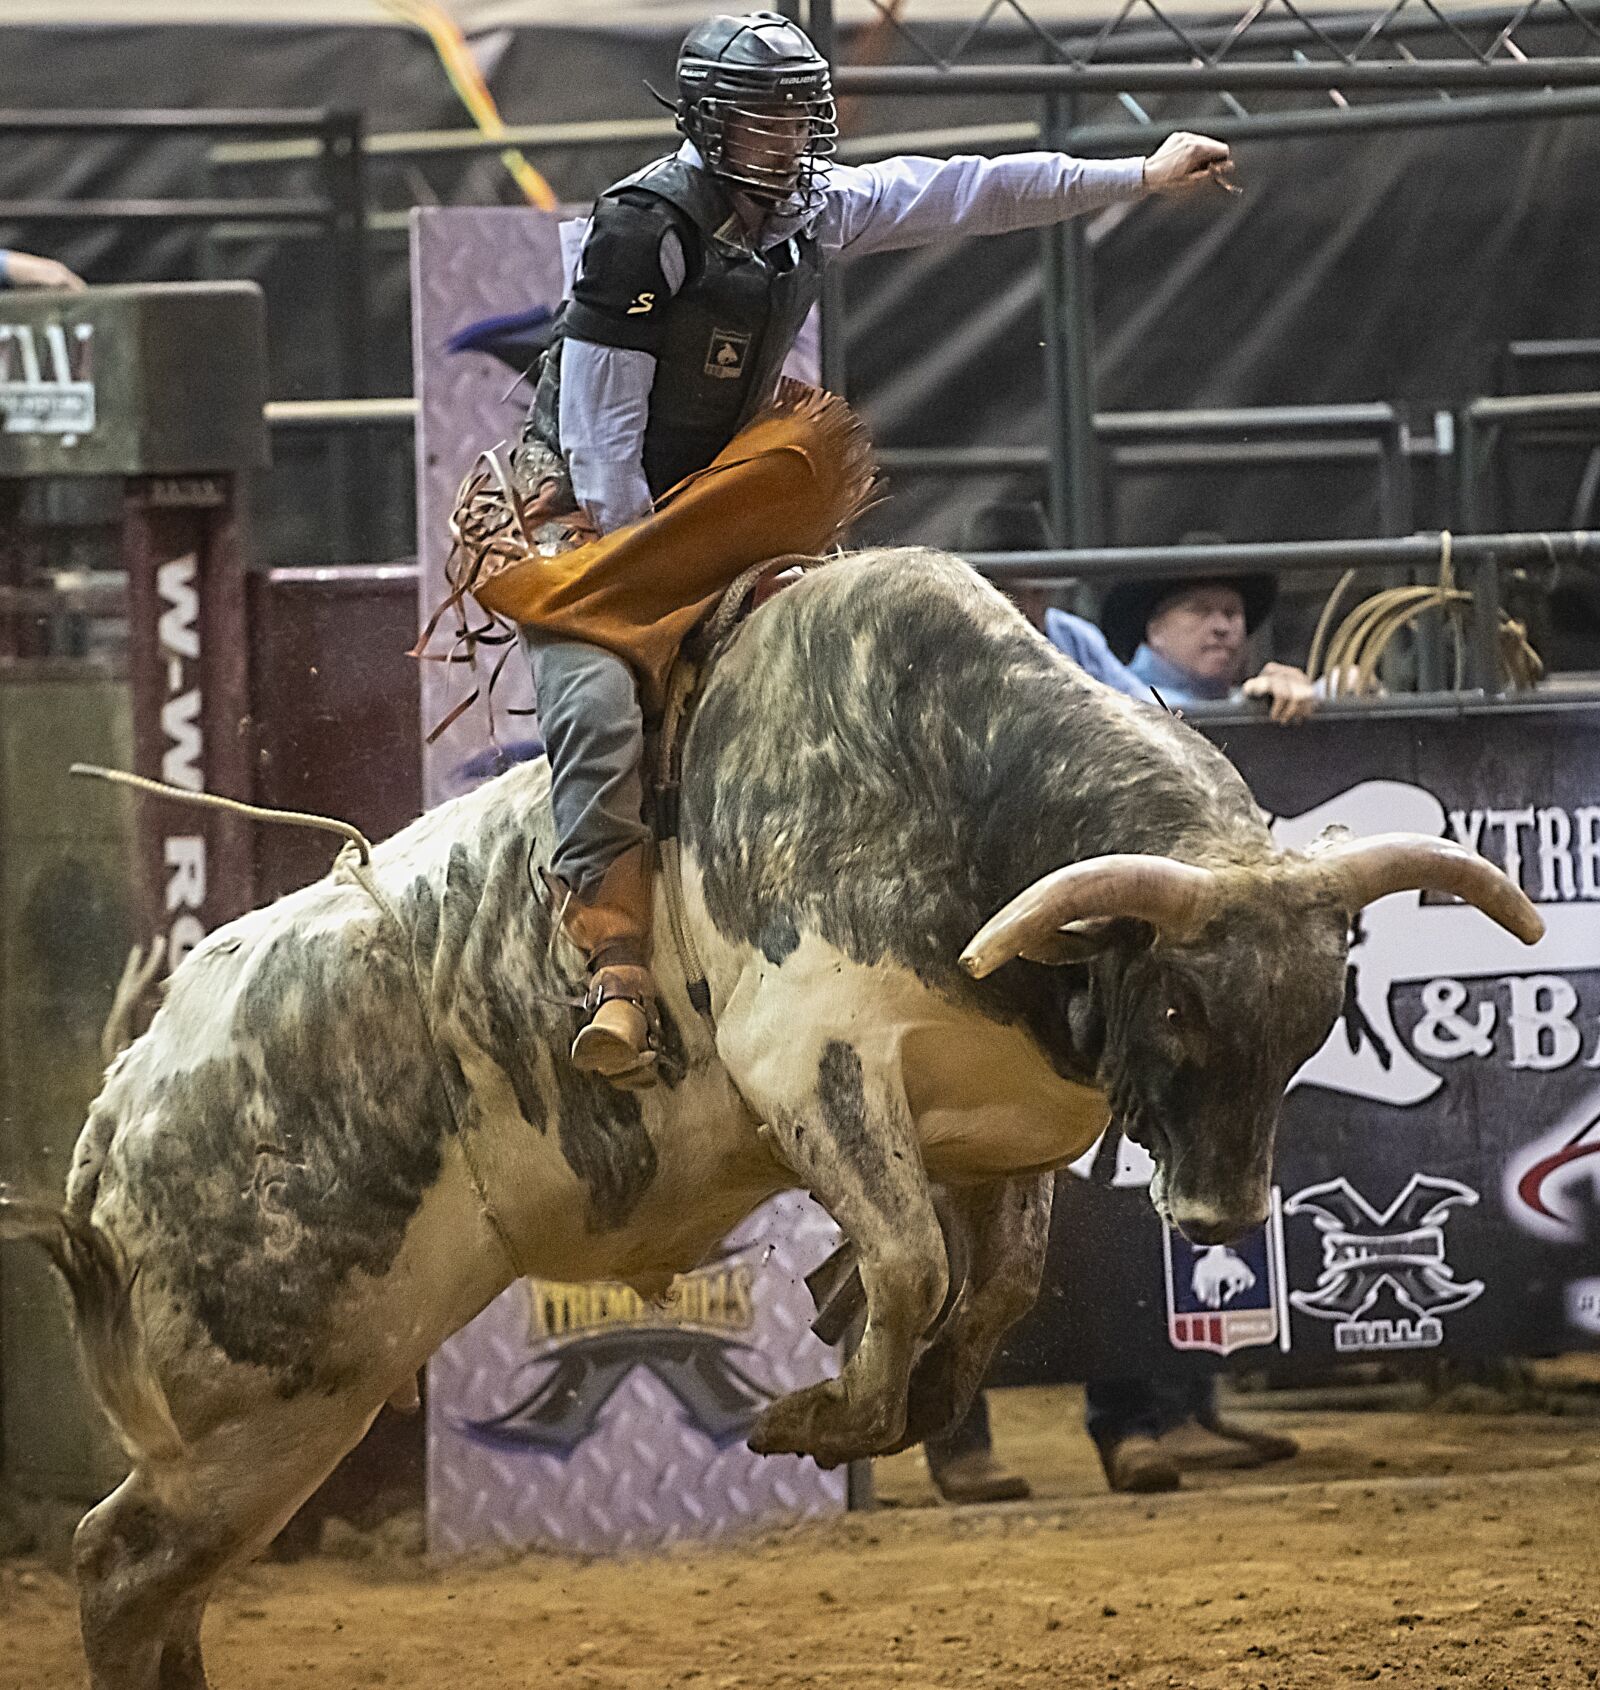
{"x": 1292, "y": 696}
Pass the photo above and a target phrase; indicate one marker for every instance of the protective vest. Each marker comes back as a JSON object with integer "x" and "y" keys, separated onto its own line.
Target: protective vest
{"x": 728, "y": 329}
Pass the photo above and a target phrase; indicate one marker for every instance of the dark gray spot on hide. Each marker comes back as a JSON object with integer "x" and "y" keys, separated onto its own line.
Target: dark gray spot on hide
{"x": 778, "y": 939}
{"x": 842, "y": 1097}
{"x": 923, "y": 754}
{"x": 602, "y": 1135}
{"x": 512, "y": 1002}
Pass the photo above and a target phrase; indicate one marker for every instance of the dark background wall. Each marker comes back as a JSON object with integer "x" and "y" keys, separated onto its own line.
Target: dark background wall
{"x": 1379, "y": 267}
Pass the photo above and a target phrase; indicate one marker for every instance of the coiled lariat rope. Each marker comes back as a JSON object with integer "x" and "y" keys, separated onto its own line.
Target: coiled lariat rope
{"x": 1347, "y": 661}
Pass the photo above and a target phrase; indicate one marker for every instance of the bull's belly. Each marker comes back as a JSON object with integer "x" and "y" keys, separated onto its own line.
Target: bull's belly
{"x": 634, "y": 1187}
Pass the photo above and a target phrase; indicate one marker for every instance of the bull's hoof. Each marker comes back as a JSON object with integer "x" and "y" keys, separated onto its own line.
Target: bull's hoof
{"x": 822, "y": 1422}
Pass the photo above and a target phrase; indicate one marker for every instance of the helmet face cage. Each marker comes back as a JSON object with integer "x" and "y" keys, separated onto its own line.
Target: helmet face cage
{"x": 743, "y": 100}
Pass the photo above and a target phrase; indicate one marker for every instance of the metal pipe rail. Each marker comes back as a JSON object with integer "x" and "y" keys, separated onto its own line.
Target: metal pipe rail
{"x": 1114, "y": 139}
{"x": 271, "y": 213}
{"x": 1088, "y": 140}
{"x": 1208, "y": 439}
{"x": 1320, "y": 77}
{"x": 1414, "y": 706}
{"x": 1481, "y": 424}
{"x": 1290, "y": 557}
{"x": 1476, "y": 558}
{"x": 309, "y": 414}
{"x": 446, "y": 143}
{"x": 267, "y": 121}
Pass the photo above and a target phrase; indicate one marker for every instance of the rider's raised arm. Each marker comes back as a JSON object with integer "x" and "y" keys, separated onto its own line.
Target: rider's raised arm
{"x": 908, "y": 201}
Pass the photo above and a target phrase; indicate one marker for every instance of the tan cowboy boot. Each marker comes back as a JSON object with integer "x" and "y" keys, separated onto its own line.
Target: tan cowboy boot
{"x": 612, "y": 929}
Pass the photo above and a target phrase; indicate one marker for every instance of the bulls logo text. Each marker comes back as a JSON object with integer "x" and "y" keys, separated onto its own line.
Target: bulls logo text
{"x": 1396, "y": 1256}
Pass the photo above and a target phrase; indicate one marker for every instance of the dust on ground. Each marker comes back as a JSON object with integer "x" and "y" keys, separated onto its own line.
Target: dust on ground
{"x": 1425, "y": 1550}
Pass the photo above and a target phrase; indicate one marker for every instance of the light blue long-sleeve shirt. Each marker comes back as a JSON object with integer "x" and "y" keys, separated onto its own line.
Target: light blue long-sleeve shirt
{"x": 1145, "y": 676}
{"x": 897, "y": 203}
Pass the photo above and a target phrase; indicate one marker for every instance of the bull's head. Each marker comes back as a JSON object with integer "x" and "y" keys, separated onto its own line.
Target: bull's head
{"x": 1204, "y": 990}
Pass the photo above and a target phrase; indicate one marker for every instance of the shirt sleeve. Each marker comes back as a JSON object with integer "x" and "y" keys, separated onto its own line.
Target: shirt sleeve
{"x": 1086, "y": 645}
{"x": 5, "y": 268}
{"x": 908, "y": 201}
{"x": 605, "y": 405}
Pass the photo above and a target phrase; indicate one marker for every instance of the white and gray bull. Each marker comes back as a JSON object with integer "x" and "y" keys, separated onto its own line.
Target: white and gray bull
{"x": 348, "y": 1128}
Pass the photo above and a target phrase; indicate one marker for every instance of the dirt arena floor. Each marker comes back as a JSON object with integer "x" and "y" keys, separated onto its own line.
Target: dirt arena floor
{"x": 1413, "y": 1549}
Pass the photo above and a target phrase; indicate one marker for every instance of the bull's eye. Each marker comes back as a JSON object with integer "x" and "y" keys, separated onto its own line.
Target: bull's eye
{"x": 1173, "y": 1016}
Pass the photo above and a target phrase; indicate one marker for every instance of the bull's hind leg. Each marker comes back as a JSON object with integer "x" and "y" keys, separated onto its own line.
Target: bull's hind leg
{"x": 147, "y": 1557}
{"x": 853, "y": 1144}
{"x": 140, "y": 1567}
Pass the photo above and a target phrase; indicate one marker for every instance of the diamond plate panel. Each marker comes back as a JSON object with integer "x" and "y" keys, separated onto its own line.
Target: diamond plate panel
{"x": 644, "y": 1474}
{"x": 467, "y": 264}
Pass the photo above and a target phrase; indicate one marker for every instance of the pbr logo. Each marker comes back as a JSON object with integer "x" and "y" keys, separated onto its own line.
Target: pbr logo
{"x": 47, "y": 380}
{"x": 1227, "y": 1297}
{"x": 1384, "y": 1281}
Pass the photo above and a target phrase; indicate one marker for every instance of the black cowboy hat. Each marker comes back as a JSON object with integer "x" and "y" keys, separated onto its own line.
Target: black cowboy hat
{"x": 1129, "y": 605}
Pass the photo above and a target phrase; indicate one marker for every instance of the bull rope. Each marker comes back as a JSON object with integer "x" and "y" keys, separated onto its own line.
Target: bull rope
{"x": 215, "y": 801}
{"x": 355, "y": 858}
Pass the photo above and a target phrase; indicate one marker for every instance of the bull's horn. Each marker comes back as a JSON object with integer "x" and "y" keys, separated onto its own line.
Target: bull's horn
{"x": 1172, "y": 896}
{"x": 1367, "y": 869}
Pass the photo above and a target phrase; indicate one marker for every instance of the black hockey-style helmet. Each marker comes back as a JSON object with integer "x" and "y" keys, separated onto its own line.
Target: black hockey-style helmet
{"x": 762, "y": 71}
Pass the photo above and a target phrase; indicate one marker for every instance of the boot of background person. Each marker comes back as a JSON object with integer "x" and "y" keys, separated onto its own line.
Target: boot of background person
{"x": 962, "y": 1464}
{"x": 975, "y": 1475}
{"x": 612, "y": 928}
{"x": 1139, "y": 1463}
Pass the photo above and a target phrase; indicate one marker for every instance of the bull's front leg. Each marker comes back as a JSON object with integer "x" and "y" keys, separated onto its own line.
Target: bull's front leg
{"x": 849, "y": 1138}
{"x": 1007, "y": 1224}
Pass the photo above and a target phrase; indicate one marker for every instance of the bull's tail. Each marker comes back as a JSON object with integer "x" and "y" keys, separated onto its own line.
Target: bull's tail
{"x": 101, "y": 1289}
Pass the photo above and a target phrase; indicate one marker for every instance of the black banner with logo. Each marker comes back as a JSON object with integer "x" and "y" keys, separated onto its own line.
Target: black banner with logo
{"x": 1438, "y": 1167}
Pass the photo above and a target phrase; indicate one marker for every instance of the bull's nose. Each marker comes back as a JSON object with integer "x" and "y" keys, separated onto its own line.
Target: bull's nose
{"x": 1201, "y": 1224}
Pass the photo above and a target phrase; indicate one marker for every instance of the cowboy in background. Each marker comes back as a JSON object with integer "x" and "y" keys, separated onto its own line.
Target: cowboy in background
{"x": 1186, "y": 642}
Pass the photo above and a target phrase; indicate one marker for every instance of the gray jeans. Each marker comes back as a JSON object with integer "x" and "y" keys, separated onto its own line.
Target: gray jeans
{"x": 593, "y": 726}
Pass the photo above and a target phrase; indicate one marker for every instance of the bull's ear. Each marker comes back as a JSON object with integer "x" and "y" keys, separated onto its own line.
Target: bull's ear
{"x": 1078, "y": 941}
